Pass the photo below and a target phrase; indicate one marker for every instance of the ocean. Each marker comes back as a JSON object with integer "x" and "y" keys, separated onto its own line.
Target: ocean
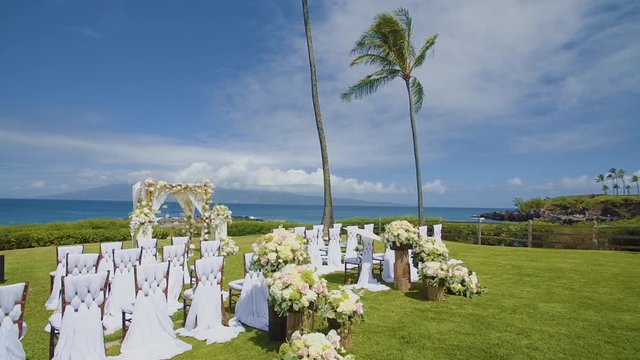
{"x": 31, "y": 211}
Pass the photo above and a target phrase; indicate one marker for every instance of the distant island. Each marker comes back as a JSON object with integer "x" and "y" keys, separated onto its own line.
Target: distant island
{"x": 572, "y": 209}
{"x": 122, "y": 192}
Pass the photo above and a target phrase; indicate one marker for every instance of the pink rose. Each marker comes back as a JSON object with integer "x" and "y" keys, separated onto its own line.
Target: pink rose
{"x": 329, "y": 355}
{"x": 304, "y": 288}
{"x": 359, "y": 308}
{"x": 318, "y": 287}
{"x": 303, "y": 353}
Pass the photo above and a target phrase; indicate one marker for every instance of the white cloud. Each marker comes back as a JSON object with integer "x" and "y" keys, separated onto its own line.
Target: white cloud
{"x": 516, "y": 181}
{"x": 435, "y": 186}
{"x": 576, "y": 182}
{"x": 39, "y": 184}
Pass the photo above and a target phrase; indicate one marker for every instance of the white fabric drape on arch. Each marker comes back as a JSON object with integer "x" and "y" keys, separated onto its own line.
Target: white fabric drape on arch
{"x": 81, "y": 334}
{"x": 10, "y": 345}
{"x": 204, "y": 321}
{"x": 252, "y": 308}
{"x": 366, "y": 280}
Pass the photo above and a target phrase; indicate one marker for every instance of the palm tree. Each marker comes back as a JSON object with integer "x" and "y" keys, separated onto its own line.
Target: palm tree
{"x": 627, "y": 188}
{"x": 636, "y": 179}
{"x": 387, "y": 46}
{"x": 620, "y": 175}
{"x": 600, "y": 179}
{"x": 605, "y": 188}
{"x": 327, "y": 216}
{"x": 611, "y": 175}
{"x": 616, "y": 187}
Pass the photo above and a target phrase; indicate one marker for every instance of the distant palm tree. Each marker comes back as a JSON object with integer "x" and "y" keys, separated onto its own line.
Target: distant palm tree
{"x": 636, "y": 179}
{"x": 611, "y": 175}
{"x": 600, "y": 179}
{"x": 616, "y": 187}
{"x": 387, "y": 46}
{"x": 605, "y": 188}
{"x": 327, "y": 216}
{"x": 627, "y": 188}
{"x": 620, "y": 175}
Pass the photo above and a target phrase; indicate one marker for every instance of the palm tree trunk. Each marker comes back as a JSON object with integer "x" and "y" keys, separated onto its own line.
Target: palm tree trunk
{"x": 327, "y": 216}
{"x": 416, "y": 153}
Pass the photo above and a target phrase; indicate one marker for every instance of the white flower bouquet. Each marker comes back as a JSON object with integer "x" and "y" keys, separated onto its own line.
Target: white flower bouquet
{"x": 228, "y": 247}
{"x": 141, "y": 216}
{"x": 295, "y": 288}
{"x": 400, "y": 234}
{"x": 344, "y": 306}
{"x": 434, "y": 273}
{"x": 429, "y": 249}
{"x": 314, "y": 346}
{"x": 462, "y": 281}
{"x": 221, "y": 215}
{"x": 275, "y": 250}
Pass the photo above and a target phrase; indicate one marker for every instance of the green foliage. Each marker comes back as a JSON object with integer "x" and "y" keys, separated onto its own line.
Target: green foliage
{"x": 243, "y": 227}
{"x": 529, "y": 205}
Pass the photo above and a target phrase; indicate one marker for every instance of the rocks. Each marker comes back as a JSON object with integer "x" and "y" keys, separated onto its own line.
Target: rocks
{"x": 560, "y": 217}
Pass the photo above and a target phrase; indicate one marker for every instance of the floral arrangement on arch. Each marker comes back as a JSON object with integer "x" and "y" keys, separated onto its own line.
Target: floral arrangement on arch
{"x": 275, "y": 250}
{"x": 296, "y": 288}
{"x": 141, "y": 216}
{"x": 314, "y": 346}
{"x": 400, "y": 234}
{"x": 434, "y": 273}
{"x": 228, "y": 247}
{"x": 429, "y": 249}
{"x": 344, "y": 306}
{"x": 462, "y": 281}
{"x": 221, "y": 215}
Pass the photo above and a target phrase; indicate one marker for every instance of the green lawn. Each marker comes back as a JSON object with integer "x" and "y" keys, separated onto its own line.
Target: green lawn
{"x": 540, "y": 303}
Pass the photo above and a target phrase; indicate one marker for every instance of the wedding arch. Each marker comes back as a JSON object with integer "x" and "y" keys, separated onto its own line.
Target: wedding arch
{"x": 149, "y": 195}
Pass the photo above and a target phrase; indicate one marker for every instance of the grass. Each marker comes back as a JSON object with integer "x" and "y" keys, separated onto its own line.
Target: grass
{"x": 540, "y": 303}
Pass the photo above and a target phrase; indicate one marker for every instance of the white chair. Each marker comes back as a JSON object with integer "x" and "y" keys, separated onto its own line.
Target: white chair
{"x": 81, "y": 264}
{"x": 299, "y": 230}
{"x": 149, "y": 250}
{"x": 334, "y": 252}
{"x": 180, "y": 240}
{"x": 206, "y": 317}
{"x": 76, "y": 332}
{"x": 13, "y": 299}
{"x": 369, "y": 228}
{"x": 337, "y": 226}
{"x": 423, "y": 230}
{"x": 236, "y": 285}
{"x": 351, "y": 258}
{"x": 53, "y": 302}
{"x": 105, "y": 262}
{"x": 209, "y": 248}
{"x": 319, "y": 228}
{"x": 365, "y": 269}
{"x": 150, "y": 334}
{"x": 122, "y": 290}
{"x": 176, "y": 256}
{"x": 187, "y": 296}
{"x": 437, "y": 231}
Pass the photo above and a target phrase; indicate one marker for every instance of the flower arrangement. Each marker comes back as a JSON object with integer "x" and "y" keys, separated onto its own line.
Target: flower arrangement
{"x": 462, "y": 281}
{"x": 141, "y": 216}
{"x": 228, "y": 247}
{"x": 344, "y": 306}
{"x": 314, "y": 346}
{"x": 221, "y": 215}
{"x": 429, "y": 249}
{"x": 400, "y": 234}
{"x": 295, "y": 288}
{"x": 434, "y": 273}
{"x": 278, "y": 249}
{"x": 207, "y": 219}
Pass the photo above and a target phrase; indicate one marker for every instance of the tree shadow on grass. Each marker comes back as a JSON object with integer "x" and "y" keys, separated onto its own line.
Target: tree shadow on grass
{"x": 261, "y": 339}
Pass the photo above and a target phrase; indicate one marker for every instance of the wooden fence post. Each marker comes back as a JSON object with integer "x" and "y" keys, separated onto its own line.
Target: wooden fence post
{"x": 594, "y": 233}
{"x": 479, "y": 231}
{"x": 529, "y": 235}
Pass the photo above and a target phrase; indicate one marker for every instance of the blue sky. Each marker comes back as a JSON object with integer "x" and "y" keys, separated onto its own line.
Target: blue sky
{"x": 522, "y": 98}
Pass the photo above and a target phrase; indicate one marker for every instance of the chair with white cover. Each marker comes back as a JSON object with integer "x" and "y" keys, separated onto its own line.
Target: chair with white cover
{"x": 186, "y": 241}
{"x": 351, "y": 260}
{"x": 149, "y": 250}
{"x": 105, "y": 262}
{"x": 319, "y": 229}
{"x": 56, "y": 276}
{"x": 79, "y": 326}
{"x": 388, "y": 262}
{"x": 208, "y": 248}
{"x": 337, "y": 226}
{"x": 206, "y": 317}
{"x": 299, "y": 230}
{"x": 150, "y": 334}
{"x": 334, "y": 253}
{"x": 122, "y": 290}
{"x": 187, "y": 296}
{"x": 175, "y": 255}
{"x": 13, "y": 299}
{"x": 82, "y": 264}
{"x": 422, "y": 230}
{"x": 252, "y": 308}
{"x": 437, "y": 231}
{"x": 369, "y": 228}
{"x": 236, "y": 285}
{"x": 365, "y": 277}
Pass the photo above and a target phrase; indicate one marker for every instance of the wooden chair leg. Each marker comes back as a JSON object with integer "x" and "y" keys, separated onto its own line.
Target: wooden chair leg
{"x": 184, "y": 312}
{"x": 230, "y": 296}
{"x": 51, "y": 343}
{"x": 225, "y": 317}
{"x": 124, "y": 325}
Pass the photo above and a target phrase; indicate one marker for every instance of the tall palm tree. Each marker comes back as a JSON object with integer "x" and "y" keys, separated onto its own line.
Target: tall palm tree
{"x": 605, "y": 188}
{"x": 327, "y": 216}
{"x": 611, "y": 175}
{"x": 616, "y": 187}
{"x": 620, "y": 175}
{"x": 636, "y": 179}
{"x": 387, "y": 46}
{"x": 600, "y": 179}
{"x": 627, "y": 188}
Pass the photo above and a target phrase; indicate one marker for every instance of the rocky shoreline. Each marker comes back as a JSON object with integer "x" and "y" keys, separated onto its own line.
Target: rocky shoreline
{"x": 549, "y": 216}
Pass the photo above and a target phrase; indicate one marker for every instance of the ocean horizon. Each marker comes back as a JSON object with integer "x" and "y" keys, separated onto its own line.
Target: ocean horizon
{"x": 40, "y": 211}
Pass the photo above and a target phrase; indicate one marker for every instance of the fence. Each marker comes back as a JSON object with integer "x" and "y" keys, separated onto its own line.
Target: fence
{"x": 531, "y": 234}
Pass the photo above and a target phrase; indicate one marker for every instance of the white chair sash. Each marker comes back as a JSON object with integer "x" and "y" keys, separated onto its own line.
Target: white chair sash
{"x": 366, "y": 279}
{"x": 176, "y": 257}
{"x": 334, "y": 253}
{"x": 123, "y": 291}
{"x": 352, "y": 242}
{"x": 423, "y": 230}
{"x": 149, "y": 250}
{"x": 81, "y": 335}
{"x": 252, "y": 308}
{"x": 299, "y": 230}
{"x": 388, "y": 263}
{"x": 10, "y": 311}
{"x": 106, "y": 256}
{"x": 437, "y": 231}
{"x": 53, "y": 302}
{"x": 82, "y": 264}
{"x": 151, "y": 335}
{"x": 368, "y": 228}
